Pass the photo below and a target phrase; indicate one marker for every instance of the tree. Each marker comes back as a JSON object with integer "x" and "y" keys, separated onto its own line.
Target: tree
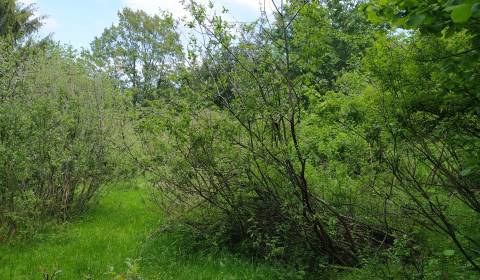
{"x": 17, "y": 21}
{"x": 238, "y": 154}
{"x": 431, "y": 107}
{"x": 140, "y": 53}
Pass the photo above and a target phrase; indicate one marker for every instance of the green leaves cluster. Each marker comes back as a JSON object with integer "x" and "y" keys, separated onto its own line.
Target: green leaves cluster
{"x": 430, "y": 16}
{"x": 17, "y": 21}
{"x": 322, "y": 136}
{"x": 141, "y": 54}
{"x": 56, "y": 131}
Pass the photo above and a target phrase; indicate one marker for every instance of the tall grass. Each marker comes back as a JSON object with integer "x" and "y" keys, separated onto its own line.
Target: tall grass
{"x": 118, "y": 227}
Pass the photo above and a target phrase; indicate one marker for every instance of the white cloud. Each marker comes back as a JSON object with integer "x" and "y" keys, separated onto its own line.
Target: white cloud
{"x": 153, "y": 6}
{"x": 238, "y": 10}
{"x": 176, "y": 8}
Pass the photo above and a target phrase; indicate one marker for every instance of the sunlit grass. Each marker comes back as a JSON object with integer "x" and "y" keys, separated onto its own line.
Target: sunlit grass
{"x": 118, "y": 227}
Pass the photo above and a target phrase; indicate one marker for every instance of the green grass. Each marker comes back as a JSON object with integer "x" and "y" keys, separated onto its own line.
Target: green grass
{"x": 118, "y": 227}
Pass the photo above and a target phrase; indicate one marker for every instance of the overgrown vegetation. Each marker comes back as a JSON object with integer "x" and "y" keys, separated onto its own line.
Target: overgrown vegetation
{"x": 56, "y": 129}
{"x": 337, "y": 137}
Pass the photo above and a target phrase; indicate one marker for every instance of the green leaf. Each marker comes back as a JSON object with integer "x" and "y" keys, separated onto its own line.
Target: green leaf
{"x": 467, "y": 171}
{"x": 372, "y": 13}
{"x": 448, "y": 252}
{"x": 461, "y": 13}
{"x": 475, "y": 8}
{"x": 416, "y": 20}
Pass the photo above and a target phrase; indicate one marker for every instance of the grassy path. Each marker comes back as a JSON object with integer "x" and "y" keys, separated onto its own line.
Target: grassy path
{"x": 117, "y": 228}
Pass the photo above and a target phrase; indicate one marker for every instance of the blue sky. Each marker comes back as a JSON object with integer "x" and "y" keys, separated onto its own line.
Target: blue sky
{"x": 77, "y": 22}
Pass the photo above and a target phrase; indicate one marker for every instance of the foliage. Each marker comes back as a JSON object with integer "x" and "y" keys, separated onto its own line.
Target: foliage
{"x": 339, "y": 137}
{"x": 335, "y": 159}
{"x": 54, "y": 137}
{"x": 430, "y": 16}
{"x": 244, "y": 163}
{"x": 141, "y": 53}
{"x": 17, "y": 21}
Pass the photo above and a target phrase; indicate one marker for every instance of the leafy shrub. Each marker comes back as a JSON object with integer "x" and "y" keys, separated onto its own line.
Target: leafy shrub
{"x": 54, "y": 136}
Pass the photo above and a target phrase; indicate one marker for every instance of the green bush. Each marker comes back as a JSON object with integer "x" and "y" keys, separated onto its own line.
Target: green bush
{"x": 55, "y": 130}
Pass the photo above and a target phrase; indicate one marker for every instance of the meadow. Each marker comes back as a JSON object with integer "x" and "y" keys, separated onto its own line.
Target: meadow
{"x": 119, "y": 236}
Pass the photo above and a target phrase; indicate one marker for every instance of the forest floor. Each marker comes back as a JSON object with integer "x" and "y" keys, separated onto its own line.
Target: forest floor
{"x": 119, "y": 227}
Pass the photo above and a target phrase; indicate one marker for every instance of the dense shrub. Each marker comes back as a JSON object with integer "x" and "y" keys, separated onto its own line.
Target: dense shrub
{"x": 56, "y": 120}
{"x": 232, "y": 148}
{"x": 299, "y": 138}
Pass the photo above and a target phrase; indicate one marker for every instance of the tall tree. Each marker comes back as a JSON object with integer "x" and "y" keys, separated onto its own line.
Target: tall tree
{"x": 140, "y": 52}
{"x": 17, "y": 21}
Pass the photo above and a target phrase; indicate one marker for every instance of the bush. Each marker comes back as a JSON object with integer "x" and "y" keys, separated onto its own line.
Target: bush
{"x": 54, "y": 136}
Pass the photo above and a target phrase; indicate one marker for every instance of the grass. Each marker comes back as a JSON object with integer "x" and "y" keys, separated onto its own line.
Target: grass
{"x": 118, "y": 227}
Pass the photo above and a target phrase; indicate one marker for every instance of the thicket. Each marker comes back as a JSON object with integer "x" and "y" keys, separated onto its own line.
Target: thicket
{"x": 334, "y": 135}
{"x": 57, "y": 126}
{"x": 325, "y": 135}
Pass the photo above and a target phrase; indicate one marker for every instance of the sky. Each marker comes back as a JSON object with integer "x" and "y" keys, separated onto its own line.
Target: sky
{"x": 77, "y": 22}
